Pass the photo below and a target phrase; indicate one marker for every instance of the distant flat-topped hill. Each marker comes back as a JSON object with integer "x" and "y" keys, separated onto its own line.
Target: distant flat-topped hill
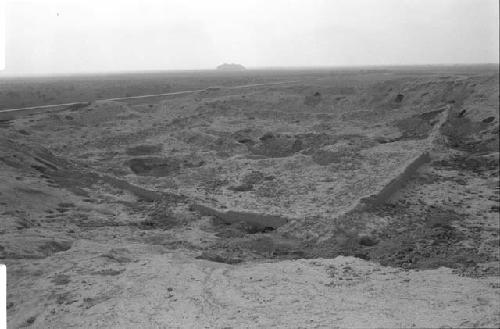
{"x": 230, "y": 67}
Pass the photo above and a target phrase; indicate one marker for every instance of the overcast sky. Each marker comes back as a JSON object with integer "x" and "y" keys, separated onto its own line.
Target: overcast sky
{"x": 65, "y": 36}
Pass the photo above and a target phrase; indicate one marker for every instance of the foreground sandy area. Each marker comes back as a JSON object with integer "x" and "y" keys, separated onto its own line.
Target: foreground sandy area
{"x": 149, "y": 287}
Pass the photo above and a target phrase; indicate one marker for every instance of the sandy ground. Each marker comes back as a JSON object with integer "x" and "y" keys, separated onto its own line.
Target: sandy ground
{"x": 154, "y": 288}
{"x": 350, "y": 200}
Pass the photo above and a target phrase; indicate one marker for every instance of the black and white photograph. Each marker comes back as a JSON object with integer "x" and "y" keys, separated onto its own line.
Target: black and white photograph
{"x": 237, "y": 164}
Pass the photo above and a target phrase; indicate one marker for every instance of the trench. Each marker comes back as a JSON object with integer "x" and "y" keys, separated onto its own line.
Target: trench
{"x": 421, "y": 239}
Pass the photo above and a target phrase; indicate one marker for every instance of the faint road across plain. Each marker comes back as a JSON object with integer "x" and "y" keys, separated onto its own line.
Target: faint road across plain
{"x": 9, "y": 114}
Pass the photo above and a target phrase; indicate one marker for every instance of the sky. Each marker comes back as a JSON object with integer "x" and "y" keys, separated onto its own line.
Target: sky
{"x": 78, "y": 36}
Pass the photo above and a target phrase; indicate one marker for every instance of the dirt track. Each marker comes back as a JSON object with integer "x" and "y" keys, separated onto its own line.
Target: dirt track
{"x": 9, "y": 114}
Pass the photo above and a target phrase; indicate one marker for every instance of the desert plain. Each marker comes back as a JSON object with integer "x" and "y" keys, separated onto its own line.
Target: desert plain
{"x": 325, "y": 198}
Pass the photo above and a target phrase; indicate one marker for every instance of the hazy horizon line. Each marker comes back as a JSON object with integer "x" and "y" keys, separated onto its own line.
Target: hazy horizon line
{"x": 247, "y": 69}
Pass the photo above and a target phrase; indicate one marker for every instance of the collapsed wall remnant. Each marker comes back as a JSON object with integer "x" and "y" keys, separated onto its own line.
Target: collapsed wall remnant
{"x": 258, "y": 221}
{"x": 396, "y": 183}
